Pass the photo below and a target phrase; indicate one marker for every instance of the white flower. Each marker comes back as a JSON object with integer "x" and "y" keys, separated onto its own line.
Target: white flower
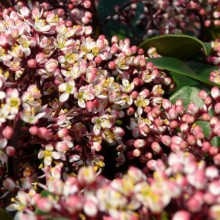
{"x": 127, "y": 86}
{"x": 67, "y": 88}
{"x": 48, "y": 154}
{"x": 102, "y": 122}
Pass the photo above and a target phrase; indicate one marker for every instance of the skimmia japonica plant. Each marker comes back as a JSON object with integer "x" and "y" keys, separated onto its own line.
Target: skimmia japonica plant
{"x": 94, "y": 127}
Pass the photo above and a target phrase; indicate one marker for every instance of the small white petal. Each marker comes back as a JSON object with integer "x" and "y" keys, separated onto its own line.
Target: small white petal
{"x": 55, "y": 155}
{"x": 64, "y": 97}
{"x": 3, "y": 143}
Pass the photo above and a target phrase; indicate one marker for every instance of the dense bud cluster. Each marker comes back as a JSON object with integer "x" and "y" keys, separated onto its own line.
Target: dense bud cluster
{"x": 170, "y": 17}
{"x": 71, "y": 105}
{"x": 181, "y": 183}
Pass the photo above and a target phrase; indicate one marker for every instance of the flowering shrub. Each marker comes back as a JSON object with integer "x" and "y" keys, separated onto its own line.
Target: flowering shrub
{"x": 95, "y": 128}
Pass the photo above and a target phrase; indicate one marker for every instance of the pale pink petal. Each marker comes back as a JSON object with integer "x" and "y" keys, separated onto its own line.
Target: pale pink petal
{"x": 55, "y": 155}
{"x": 64, "y": 97}
{"x": 3, "y": 143}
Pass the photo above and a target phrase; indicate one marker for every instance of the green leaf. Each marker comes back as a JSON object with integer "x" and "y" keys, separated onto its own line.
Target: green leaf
{"x": 213, "y": 32}
{"x": 188, "y": 94}
{"x": 46, "y": 193}
{"x": 5, "y": 215}
{"x": 39, "y": 212}
{"x": 179, "y": 67}
{"x": 110, "y": 26}
{"x": 206, "y": 130}
{"x": 201, "y": 69}
{"x": 179, "y": 46}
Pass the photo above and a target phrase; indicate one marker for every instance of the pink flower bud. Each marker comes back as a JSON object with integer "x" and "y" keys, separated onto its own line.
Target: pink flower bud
{"x": 209, "y": 198}
{"x": 89, "y": 106}
{"x": 211, "y": 172}
{"x": 98, "y": 60}
{"x": 191, "y": 140}
{"x": 217, "y": 159}
{"x": 51, "y": 65}
{"x": 90, "y": 76}
{"x": 206, "y": 146}
{"x": 111, "y": 65}
{"x": 217, "y": 108}
{"x": 156, "y": 147}
{"x": 140, "y": 143}
{"x": 15, "y": 33}
{"x": 136, "y": 153}
{"x": 180, "y": 109}
{"x": 175, "y": 147}
{"x": 194, "y": 205}
{"x": 34, "y": 130}
{"x": 166, "y": 140}
{"x": 208, "y": 101}
{"x": 43, "y": 132}
{"x": 214, "y": 121}
{"x": 193, "y": 108}
{"x": 141, "y": 52}
{"x": 7, "y": 132}
{"x": 130, "y": 111}
{"x": 215, "y": 92}
{"x": 166, "y": 104}
{"x": 213, "y": 151}
{"x": 203, "y": 94}
{"x": 60, "y": 12}
{"x": 118, "y": 132}
{"x": 172, "y": 114}
{"x": 214, "y": 188}
{"x": 44, "y": 204}
{"x": 9, "y": 184}
{"x": 41, "y": 58}
{"x": 73, "y": 204}
{"x": 10, "y": 151}
{"x": 152, "y": 164}
{"x": 181, "y": 215}
{"x": 62, "y": 132}
{"x": 90, "y": 208}
{"x": 4, "y": 40}
{"x": 134, "y": 94}
{"x": 32, "y": 63}
{"x": 86, "y": 176}
{"x": 206, "y": 117}
{"x": 85, "y": 20}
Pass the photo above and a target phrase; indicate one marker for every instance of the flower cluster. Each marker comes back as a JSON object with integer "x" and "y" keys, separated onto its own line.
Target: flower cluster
{"x": 74, "y": 11}
{"x": 72, "y": 105}
{"x": 182, "y": 182}
{"x": 167, "y": 17}
{"x": 214, "y": 58}
{"x": 65, "y": 93}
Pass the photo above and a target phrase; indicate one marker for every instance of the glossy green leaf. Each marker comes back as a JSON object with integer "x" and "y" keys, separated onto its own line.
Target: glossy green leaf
{"x": 201, "y": 69}
{"x": 206, "y": 129}
{"x": 179, "y": 46}
{"x": 5, "y": 215}
{"x": 177, "y": 66}
{"x": 110, "y": 26}
{"x": 188, "y": 94}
